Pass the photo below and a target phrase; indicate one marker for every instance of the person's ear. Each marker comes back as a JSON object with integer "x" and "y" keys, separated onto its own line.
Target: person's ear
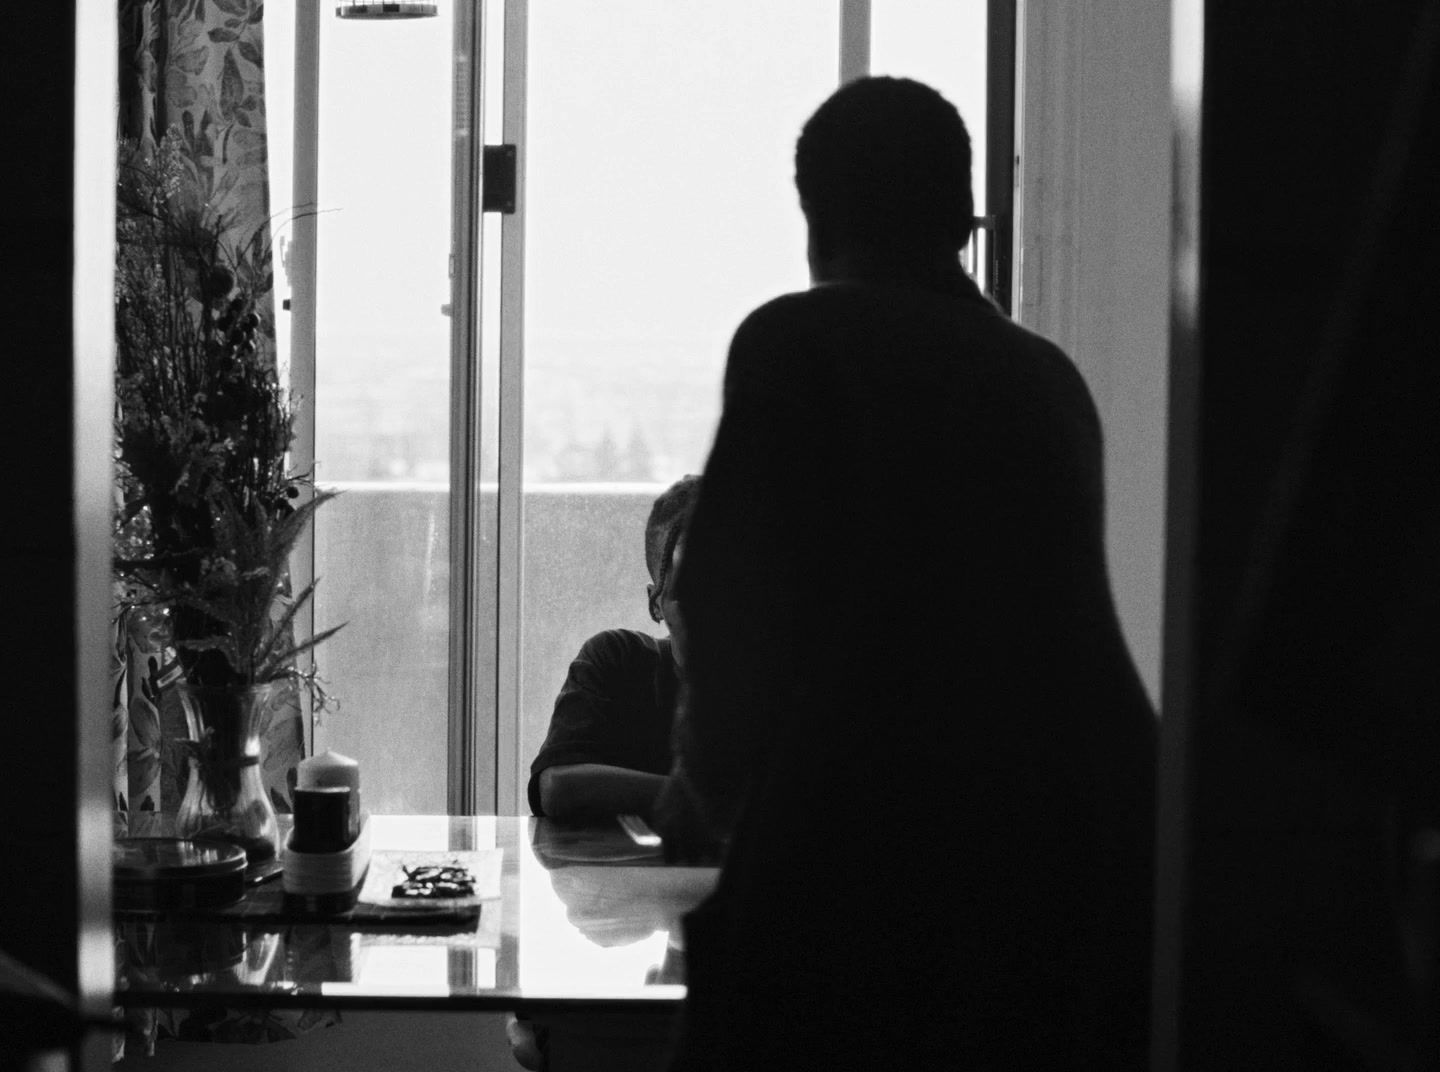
{"x": 652, "y": 596}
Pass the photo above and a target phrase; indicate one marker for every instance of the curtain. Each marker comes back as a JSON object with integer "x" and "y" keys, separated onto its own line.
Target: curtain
{"x": 196, "y": 67}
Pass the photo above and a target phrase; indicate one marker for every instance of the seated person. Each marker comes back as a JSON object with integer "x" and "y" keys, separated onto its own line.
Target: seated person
{"x": 608, "y": 748}
{"x": 607, "y": 753}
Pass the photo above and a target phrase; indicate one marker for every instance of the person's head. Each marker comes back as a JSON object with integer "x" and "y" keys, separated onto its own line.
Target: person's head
{"x": 663, "y": 532}
{"x": 883, "y": 172}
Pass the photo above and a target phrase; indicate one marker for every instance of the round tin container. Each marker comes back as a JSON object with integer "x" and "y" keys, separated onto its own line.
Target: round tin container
{"x": 166, "y": 873}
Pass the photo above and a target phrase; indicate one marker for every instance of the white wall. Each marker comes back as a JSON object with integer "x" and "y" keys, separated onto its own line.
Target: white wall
{"x": 1093, "y": 230}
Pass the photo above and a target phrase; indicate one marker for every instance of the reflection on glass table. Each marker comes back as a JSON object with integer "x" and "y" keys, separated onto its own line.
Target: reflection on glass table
{"x": 608, "y": 911}
{"x": 583, "y": 919}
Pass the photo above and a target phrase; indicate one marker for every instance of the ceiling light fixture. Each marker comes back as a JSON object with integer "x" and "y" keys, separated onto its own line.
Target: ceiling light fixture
{"x": 389, "y": 9}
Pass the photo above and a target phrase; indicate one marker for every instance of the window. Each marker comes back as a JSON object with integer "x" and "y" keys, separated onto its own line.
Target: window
{"x": 380, "y": 401}
{"x": 500, "y": 401}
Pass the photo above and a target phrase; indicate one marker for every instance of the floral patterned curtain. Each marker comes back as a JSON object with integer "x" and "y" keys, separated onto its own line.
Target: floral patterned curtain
{"x": 195, "y": 67}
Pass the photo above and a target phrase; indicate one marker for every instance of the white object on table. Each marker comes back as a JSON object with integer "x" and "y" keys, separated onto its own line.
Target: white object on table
{"x": 328, "y": 770}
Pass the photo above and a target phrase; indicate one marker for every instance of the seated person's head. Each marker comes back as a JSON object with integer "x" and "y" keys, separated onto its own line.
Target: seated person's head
{"x": 663, "y": 532}
{"x": 883, "y": 167}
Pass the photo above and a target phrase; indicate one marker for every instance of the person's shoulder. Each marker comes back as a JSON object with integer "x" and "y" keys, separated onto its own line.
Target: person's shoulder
{"x": 1041, "y": 355}
{"x": 785, "y": 337}
{"x": 845, "y": 307}
{"x": 1038, "y": 371}
{"x": 617, "y": 645}
{"x": 781, "y": 314}
{"x": 1032, "y": 344}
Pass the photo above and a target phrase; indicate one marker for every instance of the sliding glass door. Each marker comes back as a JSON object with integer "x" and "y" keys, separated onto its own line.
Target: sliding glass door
{"x": 380, "y": 401}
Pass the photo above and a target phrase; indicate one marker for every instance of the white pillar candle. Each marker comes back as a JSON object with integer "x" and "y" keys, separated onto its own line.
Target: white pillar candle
{"x": 326, "y": 770}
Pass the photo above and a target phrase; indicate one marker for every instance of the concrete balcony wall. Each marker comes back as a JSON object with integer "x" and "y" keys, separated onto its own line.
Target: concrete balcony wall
{"x": 383, "y": 555}
{"x": 584, "y": 572}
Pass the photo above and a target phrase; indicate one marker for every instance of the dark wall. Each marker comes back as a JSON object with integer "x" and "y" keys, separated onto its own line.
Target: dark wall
{"x": 38, "y": 874}
{"x": 1316, "y": 757}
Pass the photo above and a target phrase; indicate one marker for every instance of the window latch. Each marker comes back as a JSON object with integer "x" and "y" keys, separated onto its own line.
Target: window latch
{"x": 497, "y": 179}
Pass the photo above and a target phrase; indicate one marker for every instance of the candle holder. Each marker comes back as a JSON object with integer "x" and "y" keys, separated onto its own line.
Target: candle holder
{"x": 328, "y": 852}
{"x": 325, "y": 883}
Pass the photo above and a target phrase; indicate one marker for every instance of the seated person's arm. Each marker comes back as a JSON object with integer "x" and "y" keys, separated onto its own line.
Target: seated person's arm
{"x": 607, "y": 748}
{"x": 577, "y": 790}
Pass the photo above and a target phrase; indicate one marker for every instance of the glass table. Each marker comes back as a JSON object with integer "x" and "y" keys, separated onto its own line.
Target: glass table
{"x": 581, "y": 919}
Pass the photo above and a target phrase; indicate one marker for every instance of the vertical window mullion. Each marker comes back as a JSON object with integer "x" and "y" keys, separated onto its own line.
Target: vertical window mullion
{"x": 466, "y": 547}
{"x": 303, "y": 254}
{"x": 508, "y": 783}
{"x": 854, "y": 39}
{"x": 1000, "y": 149}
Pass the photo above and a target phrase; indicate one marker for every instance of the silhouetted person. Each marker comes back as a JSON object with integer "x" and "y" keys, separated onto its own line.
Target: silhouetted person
{"x": 909, "y": 708}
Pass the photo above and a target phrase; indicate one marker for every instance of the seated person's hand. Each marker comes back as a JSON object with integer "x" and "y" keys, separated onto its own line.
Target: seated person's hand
{"x": 685, "y": 836}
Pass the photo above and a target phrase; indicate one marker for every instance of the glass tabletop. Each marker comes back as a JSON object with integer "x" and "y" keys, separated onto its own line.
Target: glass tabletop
{"x": 579, "y": 918}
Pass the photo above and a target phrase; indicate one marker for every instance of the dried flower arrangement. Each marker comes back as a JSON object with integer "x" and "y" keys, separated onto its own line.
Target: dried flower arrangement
{"x": 207, "y": 512}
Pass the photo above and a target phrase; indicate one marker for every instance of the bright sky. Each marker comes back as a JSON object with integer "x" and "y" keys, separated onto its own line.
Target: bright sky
{"x": 660, "y": 202}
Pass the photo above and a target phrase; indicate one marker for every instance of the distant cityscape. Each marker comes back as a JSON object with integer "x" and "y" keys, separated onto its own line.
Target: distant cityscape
{"x": 593, "y": 412}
